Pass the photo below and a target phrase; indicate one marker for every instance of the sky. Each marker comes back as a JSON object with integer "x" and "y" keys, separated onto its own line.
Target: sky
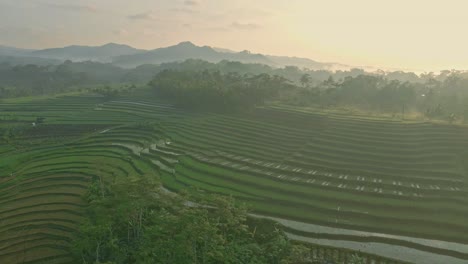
{"x": 419, "y": 35}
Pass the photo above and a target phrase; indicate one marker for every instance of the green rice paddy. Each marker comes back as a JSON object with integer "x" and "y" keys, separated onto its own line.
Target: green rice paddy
{"x": 405, "y": 179}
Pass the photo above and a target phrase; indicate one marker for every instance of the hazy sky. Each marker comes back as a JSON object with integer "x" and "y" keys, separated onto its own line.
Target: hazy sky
{"x": 412, "y": 34}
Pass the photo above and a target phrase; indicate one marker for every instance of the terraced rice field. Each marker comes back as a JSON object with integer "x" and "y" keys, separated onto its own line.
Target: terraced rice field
{"x": 399, "y": 189}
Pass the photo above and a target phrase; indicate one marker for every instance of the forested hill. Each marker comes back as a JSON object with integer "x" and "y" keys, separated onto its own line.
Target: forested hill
{"x": 443, "y": 97}
{"x": 45, "y": 76}
{"x": 373, "y": 95}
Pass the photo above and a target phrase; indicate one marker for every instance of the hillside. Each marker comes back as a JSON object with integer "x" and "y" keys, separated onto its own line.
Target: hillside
{"x": 376, "y": 181}
{"x": 184, "y": 51}
{"x": 25, "y": 60}
{"x": 16, "y": 56}
{"x": 103, "y": 53}
{"x": 188, "y": 50}
{"x": 11, "y": 51}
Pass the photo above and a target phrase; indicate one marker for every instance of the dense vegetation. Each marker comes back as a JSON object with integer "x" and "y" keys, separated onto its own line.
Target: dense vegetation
{"x": 134, "y": 221}
{"x": 446, "y": 99}
{"x": 213, "y": 90}
{"x": 440, "y": 96}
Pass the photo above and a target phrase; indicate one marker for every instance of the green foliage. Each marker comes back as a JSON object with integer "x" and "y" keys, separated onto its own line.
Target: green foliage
{"x": 133, "y": 221}
{"x": 37, "y": 80}
{"x": 299, "y": 254}
{"x": 443, "y": 99}
{"x": 40, "y": 120}
{"x": 355, "y": 259}
{"x": 10, "y": 132}
{"x": 107, "y": 92}
{"x": 32, "y": 80}
{"x": 305, "y": 79}
{"x": 214, "y": 90}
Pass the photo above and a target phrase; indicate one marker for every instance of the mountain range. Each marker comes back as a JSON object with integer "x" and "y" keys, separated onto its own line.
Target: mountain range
{"x": 129, "y": 57}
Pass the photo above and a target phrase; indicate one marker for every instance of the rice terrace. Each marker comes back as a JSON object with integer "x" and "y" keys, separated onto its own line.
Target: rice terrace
{"x": 233, "y": 132}
{"x": 394, "y": 189}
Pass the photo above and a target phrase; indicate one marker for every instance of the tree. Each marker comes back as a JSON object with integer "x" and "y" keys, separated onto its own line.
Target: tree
{"x": 305, "y": 80}
{"x": 132, "y": 221}
{"x": 355, "y": 259}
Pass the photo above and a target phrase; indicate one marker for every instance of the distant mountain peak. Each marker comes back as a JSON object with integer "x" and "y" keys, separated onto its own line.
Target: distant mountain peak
{"x": 112, "y": 44}
{"x": 117, "y": 46}
{"x": 186, "y": 44}
{"x": 103, "y": 53}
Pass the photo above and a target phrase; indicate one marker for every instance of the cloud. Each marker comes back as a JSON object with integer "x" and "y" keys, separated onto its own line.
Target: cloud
{"x": 121, "y": 32}
{"x": 72, "y": 7}
{"x": 241, "y": 14}
{"x": 183, "y": 10}
{"x": 218, "y": 29}
{"x": 191, "y": 3}
{"x": 148, "y": 32}
{"x": 244, "y": 26}
{"x": 142, "y": 16}
{"x": 251, "y": 12}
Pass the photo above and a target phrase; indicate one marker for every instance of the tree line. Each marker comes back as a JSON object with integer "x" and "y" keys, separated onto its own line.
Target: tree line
{"x": 437, "y": 98}
{"x": 30, "y": 80}
{"x": 213, "y": 90}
